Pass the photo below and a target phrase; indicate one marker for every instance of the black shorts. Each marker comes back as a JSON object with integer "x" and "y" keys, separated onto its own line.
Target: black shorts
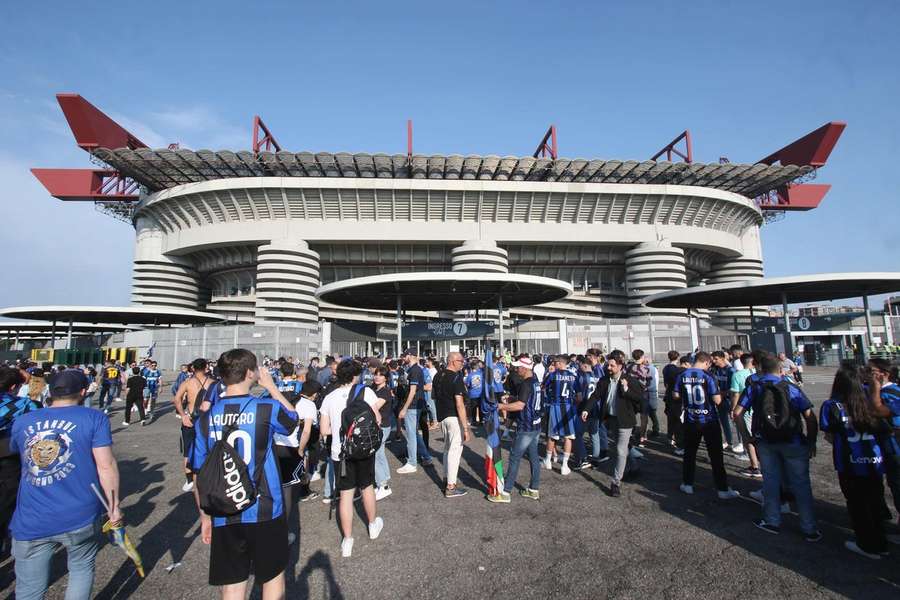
{"x": 235, "y": 548}
{"x": 187, "y": 441}
{"x": 290, "y": 464}
{"x": 356, "y": 474}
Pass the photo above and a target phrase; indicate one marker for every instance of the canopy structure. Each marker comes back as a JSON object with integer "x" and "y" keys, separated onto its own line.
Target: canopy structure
{"x": 444, "y": 291}
{"x": 782, "y": 290}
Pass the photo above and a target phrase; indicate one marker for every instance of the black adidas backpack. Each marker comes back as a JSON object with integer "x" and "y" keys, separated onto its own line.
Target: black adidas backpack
{"x": 779, "y": 422}
{"x": 223, "y": 482}
{"x": 360, "y": 432}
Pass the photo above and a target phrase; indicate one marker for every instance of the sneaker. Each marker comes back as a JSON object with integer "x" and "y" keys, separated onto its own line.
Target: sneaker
{"x": 729, "y": 494}
{"x": 642, "y": 443}
{"x": 375, "y": 528}
{"x": 750, "y": 472}
{"x": 326, "y": 499}
{"x": 757, "y": 495}
{"x": 346, "y": 547}
{"x": 548, "y": 464}
{"x": 309, "y": 496}
{"x": 407, "y": 468}
{"x": 614, "y": 490}
{"x": 602, "y": 458}
{"x": 292, "y": 537}
{"x": 738, "y": 449}
{"x": 813, "y": 537}
{"x": 565, "y": 470}
{"x": 530, "y": 493}
{"x": 144, "y": 422}
{"x": 773, "y": 529}
{"x": 125, "y": 423}
{"x": 455, "y": 492}
{"x": 383, "y": 492}
{"x": 679, "y": 451}
{"x": 315, "y": 477}
{"x": 501, "y": 498}
{"x": 584, "y": 465}
{"x": 188, "y": 486}
{"x": 724, "y": 445}
{"x": 853, "y": 547}
{"x": 687, "y": 489}
{"x": 635, "y": 453}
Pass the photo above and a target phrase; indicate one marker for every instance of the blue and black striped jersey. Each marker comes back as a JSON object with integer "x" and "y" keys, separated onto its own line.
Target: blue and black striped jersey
{"x": 560, "y": 387}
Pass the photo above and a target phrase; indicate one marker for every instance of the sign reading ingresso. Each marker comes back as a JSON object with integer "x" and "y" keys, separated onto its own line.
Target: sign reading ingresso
{"x": 446, "y": 330}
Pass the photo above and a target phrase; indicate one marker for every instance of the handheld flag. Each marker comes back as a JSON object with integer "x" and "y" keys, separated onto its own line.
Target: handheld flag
{"x": 119, "y": 537}
{"x": 493, "y": 462}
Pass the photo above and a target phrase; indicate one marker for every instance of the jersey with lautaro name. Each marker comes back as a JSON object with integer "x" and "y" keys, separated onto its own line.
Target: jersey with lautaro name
{"x": 696, "y": 388}
{"x": 561, "y": 387}
{"x": 252, "y": 438}
{"x": 853, "y": 453}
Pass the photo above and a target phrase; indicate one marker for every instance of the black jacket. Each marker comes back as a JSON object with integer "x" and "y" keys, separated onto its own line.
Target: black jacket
{"x": 628, "y": 404}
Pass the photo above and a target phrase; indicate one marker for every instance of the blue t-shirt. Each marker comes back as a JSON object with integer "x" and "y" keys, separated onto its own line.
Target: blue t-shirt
{"x": 723, "y": 377}
{"x": 696, "y": 388}
{"x": 599, "y": 371}
{"x": 530, "y": 415}
{"x": 56, "y": 450}
{"x": 475, "y": 383}
{"x": 853, "y": 453}
{"x": 890, "y": 396}
{"x": 561, "y": 387}
{"x": 752, "y": 395}
{"x": 426, "y": 379}
{"x": 498, "y": 376}
{"x": 260, "y": 420}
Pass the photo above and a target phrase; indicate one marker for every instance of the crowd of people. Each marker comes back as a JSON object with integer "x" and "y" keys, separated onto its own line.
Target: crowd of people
{"x": 256, "y": 438}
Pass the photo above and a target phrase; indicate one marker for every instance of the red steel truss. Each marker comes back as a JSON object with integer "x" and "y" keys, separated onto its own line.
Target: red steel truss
{"x": 672, "y": 148}
{"x": 268, "y": 140}
{"x": 548, "y": 146}
{"x": 87, "y": 184}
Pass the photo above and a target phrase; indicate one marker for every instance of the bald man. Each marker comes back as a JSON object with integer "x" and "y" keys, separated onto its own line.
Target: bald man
{"x": 449, "y": 392}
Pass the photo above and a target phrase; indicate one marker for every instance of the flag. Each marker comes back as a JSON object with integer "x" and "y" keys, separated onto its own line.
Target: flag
{"x": 150, "y": 350}
{"x": 119, "y": 537}
{"x": 493, "y": 463}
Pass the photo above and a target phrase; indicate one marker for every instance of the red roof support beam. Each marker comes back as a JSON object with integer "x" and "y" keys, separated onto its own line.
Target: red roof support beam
{"x": 798, "y": 197}
{"x": 813, "y": 149}
{"x": 268, "y": 140}
{"x": 671, "y": 148}
{"x": 92, "y": 128}
{"x": 548, "y": 146}
{"x": 409, "y": 141}
{"x": 87, "y": 184}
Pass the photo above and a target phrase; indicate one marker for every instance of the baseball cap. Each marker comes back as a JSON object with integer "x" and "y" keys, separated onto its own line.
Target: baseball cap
{"x": 523, "y": 362}
{"x": 67, "y": 383}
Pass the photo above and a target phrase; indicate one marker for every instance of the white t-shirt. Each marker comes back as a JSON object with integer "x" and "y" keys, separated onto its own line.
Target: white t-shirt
{"x": 432, "y": 371}
{"x": 306, "y": 409}
{"x": 333, "y": 406}
{"x": 737, "y": 364}
{"x": 539, "y": 371}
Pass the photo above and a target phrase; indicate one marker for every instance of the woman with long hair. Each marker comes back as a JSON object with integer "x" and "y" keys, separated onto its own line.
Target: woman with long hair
{"x": 854, "y": 429}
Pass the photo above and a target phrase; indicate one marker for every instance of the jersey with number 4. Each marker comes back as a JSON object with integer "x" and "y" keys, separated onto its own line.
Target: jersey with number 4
{"x": 560, "y": 387}
{"x": 697, "y": 388}
{"x": 256, "y": 424}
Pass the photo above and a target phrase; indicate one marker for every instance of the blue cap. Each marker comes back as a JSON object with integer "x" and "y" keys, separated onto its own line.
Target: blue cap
{"x": 67, "y": 383}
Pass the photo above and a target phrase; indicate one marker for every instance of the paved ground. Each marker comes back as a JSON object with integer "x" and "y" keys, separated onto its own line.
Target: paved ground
{"x": 576, "y": 542}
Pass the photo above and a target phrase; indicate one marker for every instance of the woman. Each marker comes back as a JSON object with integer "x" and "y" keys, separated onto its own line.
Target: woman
{"x": 853, "y": 428}
{"x": 385, "y": 401}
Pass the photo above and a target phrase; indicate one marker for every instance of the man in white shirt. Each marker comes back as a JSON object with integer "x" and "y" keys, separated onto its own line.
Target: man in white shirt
{"x": 353, "y": 474}
{"x": 539, "y": 369}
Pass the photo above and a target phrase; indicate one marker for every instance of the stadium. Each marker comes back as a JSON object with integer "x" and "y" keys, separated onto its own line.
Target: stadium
{"x": 256, "y": 235}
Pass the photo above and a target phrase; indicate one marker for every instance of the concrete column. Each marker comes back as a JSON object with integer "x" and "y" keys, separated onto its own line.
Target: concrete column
{"x": 479, "y": 255}
{"x": 160, "y": 280}
{"x": 651, "y": 268}
{"x": 729, "y": 271}
{"x": 287, "y": 275}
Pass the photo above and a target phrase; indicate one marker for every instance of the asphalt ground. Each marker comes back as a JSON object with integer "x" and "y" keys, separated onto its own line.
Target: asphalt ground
{"x": 576, "y": 542}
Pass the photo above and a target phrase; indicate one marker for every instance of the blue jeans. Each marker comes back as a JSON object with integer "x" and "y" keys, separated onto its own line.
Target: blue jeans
{"x": 415, "y": 445}
{"x": 599, "y": 440}
{"x": 106, "y": 396}
{"x": 432, "y": 409}
{"x": 33, "y": 563}
{"x": 526, "y": 441}
{"x": 788, "y": 465}
{"x": 382, "y": 470}
{"x": 725, "y": 420}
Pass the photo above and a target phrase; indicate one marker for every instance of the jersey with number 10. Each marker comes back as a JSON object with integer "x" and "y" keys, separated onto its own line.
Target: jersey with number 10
{"x": 697, "y": 388}
{"x": 531, "y": 413}
{"x": 560, "y": 387}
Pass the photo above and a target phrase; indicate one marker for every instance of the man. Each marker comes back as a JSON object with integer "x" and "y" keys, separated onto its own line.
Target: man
{"x": 782, "y": 460}
{"x": 429, "y": 373}
{"x": 474, "y": 383}
{"x": 290, "y": 450}
{"x": 700, "y": 397}
{"x": 587, "y": 381}
{"x": 788, "y": 367}
{"x": 183, "y": 374}
{"x": 738, "y": 384}
{"x": 723, "y": 371}
{"x": 258, "y": 535}
{"x": 735, "y": 352}
{"x": 187, "y": 408}
{"x": 152, "y": 375}
{"x": 595, "y": 425}
{"x": 560, "y": 392}
{"x": 527, "y": 407}
{"x": 325, "y": 376}
{"x": 65, "y": 449}
{"x": 618, "y": 398}
{"x": 353, "y": 474}
{"x": 313, "y": 370}
{"x": 134, "y": 396}
{"x": 449, "y": 398}
{"x": 670, "y": 374}
{"x": 540, "y": 371}
{"x": 109, "y": 386}
{"x": 638, "y": 368}
{"x": 409, "y": 415}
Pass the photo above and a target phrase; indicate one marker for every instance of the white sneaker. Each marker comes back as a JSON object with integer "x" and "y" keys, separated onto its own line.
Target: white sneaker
{"x": 382, "y": 492}
{"x": 407, "y": 468}
{"x": 757, "y": 495}
{"x": 315, "y": 477}
{"x": 375, "y": 528}
{"x": 635, "y": 453}
{"x": 724, "y": 445}
{"x": 125, "y": 423}
{"x": 729, "y": 494}
{"x": 346, "y": 547}
{"x": 187, "y": 487}
{"x": 565, "y": 469}
{"x": 738, "y": 449}
{"x": 687, "y": 489}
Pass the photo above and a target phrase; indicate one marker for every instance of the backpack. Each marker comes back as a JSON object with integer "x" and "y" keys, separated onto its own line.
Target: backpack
{"x": 360, "y": 432}
{"x": 223, "y": 482}
{"x": 209, "y": 394}
{"x": 778, "y": 421}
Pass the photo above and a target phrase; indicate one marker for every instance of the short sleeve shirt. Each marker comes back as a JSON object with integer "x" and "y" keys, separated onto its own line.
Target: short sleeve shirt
{"x": 416, "y": 376}
{"x": 752, "y": 395}
{"x": 333, "y": 406}
{"x": 696, "y": 389}
{"x": 529, "y": 418}
{"x": 447, "y": 385}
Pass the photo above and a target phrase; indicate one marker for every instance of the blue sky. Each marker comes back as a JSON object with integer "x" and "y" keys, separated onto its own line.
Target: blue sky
{"x": 476, "y": 77}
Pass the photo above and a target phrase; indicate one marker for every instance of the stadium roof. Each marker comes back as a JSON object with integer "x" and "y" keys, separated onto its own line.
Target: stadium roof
{"x": 124, "y": 315}
{"x": 163, "y": 168}
{"x": 39, "y": 327}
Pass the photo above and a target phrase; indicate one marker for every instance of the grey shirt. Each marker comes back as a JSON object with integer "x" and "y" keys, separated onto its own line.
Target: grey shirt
{"x": 612, "y": 394}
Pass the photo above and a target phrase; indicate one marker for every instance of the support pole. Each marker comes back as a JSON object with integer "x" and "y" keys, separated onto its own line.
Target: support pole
{"x": 869, "y": 341}
{"x": 692, "y": 327}
{"x": 788, "y": 339}
{"x": 502, "y": 346}
{"x": 53, "y": 336}
{"x": 69, "y": 336}
{"x": 399, "y": 325}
